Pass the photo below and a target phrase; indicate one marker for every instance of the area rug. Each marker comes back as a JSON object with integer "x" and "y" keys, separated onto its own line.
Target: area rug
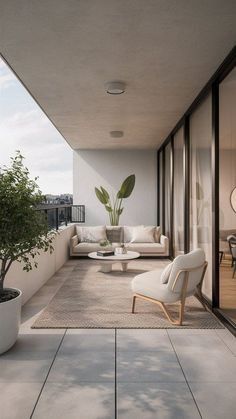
{"x": 92, "y": 299}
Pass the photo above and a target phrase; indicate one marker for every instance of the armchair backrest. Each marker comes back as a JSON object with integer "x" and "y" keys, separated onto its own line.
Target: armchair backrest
{"x": 192, "y": 264}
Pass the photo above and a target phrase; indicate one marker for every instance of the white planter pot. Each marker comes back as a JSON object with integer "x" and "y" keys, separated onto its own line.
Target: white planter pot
{"x": 10, "y": 316}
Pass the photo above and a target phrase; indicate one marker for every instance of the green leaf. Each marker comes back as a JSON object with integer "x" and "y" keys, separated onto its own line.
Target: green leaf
{"x": 119, "y": 211}
{"x": 126, "y": 187}
{"x": 101, "y": 196}
{"x": 109, "y": 209}
{"x": 23, "y": 228}
{"x": 105, "y": 193}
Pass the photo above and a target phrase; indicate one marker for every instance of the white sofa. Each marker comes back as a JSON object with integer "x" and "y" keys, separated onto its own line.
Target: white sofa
{"x": 116, "y": 235}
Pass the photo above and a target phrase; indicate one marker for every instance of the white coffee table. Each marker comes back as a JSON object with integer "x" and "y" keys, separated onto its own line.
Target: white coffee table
{"x": 107, "y": 261}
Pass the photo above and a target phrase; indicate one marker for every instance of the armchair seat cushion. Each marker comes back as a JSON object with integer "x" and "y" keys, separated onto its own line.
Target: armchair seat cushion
{"x": 150, "y": 285}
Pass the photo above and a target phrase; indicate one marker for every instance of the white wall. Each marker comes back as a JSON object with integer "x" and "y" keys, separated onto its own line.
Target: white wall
{"x": 108, "y": 168}
{"x": 30, "y": 282}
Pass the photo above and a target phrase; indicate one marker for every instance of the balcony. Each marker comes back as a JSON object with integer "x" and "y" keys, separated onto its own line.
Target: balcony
{"x": 170, "y": 120}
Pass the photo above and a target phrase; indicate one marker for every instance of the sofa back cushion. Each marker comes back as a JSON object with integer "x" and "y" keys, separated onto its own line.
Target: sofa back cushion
{"x": 142, "y": 234}
{"x": 129, "y": 230}
{"x": 128, "y": 233}
{"x": 93, "y": 234}
{"x": 114, "y": 234}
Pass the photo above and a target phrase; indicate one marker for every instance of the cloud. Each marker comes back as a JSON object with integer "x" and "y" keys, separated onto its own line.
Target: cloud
{"x": 24, "y": 127}
{"x": 6, "y": 80}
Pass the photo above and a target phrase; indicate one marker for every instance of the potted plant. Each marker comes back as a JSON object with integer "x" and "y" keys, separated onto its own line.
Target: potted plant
{"x": 114, "y": 207}
{"x": 23, "y": 233}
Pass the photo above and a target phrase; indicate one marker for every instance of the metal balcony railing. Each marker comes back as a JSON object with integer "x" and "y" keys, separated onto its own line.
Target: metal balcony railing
{"x": 61, "y": 215}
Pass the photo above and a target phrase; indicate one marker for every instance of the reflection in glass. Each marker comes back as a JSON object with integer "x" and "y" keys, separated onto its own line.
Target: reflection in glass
{"x": 178, "y": 238}
{"x": 161, "y": 190}
{"x": 201, "y": 186}
{"x": 167, "y": 188}
{"x": 227, "y": 178}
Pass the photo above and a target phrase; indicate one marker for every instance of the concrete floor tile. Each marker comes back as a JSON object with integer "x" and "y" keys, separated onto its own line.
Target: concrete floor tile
{"x": 17, "y": 400}
{"x": 36, "y": 342}
{"x": 155, "y": 401}
{"x": 76, "y": 401}
{"x": 199, "y": 343}
{"x": 215, "y": 400}
{"x": 73, "y": 342}
{"x": 191, "y": 331}
{"x": 83, "y": 366}
{"x": 148, "y": 367}
{"x": 208, "y": 367}
{"x": 25, "y": 366}
{"x": 228, "y": 338}
{"x": 143, "y": 340}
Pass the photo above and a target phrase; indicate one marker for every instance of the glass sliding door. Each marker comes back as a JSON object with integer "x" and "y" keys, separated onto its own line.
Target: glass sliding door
{"x": 227, "y": 195}
{"x": 167, "y": 189}
{"x": 178, "y": 196}
{"x": 201, "y": 186}
{"x": 160, "y": 192}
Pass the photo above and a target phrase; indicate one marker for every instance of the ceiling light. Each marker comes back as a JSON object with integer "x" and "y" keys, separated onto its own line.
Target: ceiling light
{"x": 116, "y": 134}
{"x": 115, "y": 87}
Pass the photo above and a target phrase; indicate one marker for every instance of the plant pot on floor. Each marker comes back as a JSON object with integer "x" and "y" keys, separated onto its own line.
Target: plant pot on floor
{"x": 10, "y": 315}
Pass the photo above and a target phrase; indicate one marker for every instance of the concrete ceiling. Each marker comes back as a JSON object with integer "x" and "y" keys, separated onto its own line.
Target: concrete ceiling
{"x": 64, "y": 51}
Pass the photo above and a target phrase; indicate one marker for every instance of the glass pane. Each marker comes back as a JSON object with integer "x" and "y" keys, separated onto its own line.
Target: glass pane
{"x": 161, "y": 189}
{"x": 167, "y": 188}
{"x": 201, "y": 186}
{"x": 178, "y": 238}
{"x": 227, "y": 173}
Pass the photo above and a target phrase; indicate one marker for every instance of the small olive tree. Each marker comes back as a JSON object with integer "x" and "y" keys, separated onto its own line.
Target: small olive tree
{"x": 23, "y": 230}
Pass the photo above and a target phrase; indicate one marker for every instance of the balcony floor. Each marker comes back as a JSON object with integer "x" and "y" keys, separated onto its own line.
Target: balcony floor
{"x": 125, "y": 374}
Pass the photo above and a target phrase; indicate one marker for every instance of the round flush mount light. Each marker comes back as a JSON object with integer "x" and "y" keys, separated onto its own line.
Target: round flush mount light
{"x": 116, "y": 134}
{"x": 115, "y": 87}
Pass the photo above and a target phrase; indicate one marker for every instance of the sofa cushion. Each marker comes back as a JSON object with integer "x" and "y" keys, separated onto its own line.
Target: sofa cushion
{"x": 143, "y": 234}
{"x": 114, "y": 234}
{"x": 128, "y": 233}
{"x": 154, "y": 248}
{"x": 91, "y": 234}
{"x": 87, "y": 247}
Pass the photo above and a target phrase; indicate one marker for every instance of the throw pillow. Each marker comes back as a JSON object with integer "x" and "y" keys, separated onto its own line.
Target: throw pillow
{"x": 142, "y": 234}
{"x": 166, "y": 273}
{"x": 91, "y": 234}
{"x": 157, "y": 234}
{"x": 128, "y": 233}
{"x": 114, "y": 234}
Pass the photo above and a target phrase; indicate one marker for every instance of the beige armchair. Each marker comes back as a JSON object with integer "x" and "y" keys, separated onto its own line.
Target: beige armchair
{"x": 180, "y": 279}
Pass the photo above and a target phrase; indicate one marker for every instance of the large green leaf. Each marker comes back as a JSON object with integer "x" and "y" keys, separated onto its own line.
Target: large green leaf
{"x": 101, "y": 196}
{"x": 105, "y": 194}
{"x": 126, "y": 187}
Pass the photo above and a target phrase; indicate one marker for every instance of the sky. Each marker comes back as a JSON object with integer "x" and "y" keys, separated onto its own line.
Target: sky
{"x": 24, "y": 127}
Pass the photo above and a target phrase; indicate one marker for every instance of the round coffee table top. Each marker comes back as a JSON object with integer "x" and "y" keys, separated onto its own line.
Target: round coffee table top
{"x": 125, "y": 256}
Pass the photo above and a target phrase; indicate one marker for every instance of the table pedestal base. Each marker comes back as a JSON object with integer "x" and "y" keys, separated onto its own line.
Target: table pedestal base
{"x": 107, "y": 267}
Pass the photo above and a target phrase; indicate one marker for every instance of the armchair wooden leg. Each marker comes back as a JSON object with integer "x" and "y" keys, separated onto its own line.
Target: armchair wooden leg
{"x": 133, "y": 303}
{"x": 181, "y": 312}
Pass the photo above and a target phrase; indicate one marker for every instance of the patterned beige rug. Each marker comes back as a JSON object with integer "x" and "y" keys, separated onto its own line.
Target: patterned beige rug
{"x": 92, "y": 299}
